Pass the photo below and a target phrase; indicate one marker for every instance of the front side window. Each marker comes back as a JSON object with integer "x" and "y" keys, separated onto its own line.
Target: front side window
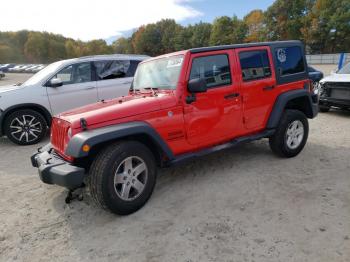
{"x": 111, "y": 69}
{"x": 162, "y": 73}
{"x": 290, "y": 60}
{"x": 73, "y": 74}
{"x": 215, "y": 69}
{"x": 255, "y": 65}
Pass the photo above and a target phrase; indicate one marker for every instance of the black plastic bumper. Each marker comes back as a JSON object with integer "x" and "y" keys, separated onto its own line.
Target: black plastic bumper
{"x": 55, "y": 170}
{"x": 329, "y": 101}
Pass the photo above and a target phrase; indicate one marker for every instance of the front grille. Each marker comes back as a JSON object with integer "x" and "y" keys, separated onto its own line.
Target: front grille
{"x": 59, "y": 137}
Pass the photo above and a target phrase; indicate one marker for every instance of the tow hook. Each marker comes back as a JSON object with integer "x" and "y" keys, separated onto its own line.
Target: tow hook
{"x": 75, "y": 194}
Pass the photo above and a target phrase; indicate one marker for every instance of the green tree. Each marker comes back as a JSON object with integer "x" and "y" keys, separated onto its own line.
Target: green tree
{"x": 36, "y": 48}
{"x": 123, "y": 46}
{"x": 255, "y": 26}
{"x": 201, "y": 33}
{"x": 327, "y": 26}
{"x": 285, "y": 19}
{"x": 221, "y": 33}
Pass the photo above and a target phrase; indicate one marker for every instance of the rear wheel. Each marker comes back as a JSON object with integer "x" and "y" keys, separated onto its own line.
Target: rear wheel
{"x": 25, "y": 127}
{"x": 122, "y": 177}
{"x": 291, "y": 134}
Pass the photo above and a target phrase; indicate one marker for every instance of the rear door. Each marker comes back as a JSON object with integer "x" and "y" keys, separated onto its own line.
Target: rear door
{"x": 258, "y": 85}
{"x": 114, "y": 77}
{"x": 78, "y": 89}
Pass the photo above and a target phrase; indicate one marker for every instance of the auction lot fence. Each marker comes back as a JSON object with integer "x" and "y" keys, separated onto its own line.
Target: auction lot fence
{"x": 326, "y": 59}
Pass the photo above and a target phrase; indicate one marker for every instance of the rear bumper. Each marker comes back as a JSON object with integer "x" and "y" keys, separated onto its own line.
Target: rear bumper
{"x": 329, "y": 101}
{"x": 55, "y": 170}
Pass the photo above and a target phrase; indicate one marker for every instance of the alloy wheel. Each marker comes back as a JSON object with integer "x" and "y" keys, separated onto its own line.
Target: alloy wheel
{"x": 130, "y": 178}
{"x": 295, "y": 134}
{"x": 25, "y": 128}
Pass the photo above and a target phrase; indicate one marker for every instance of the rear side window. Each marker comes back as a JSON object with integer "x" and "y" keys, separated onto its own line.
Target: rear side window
{"x": 255, "y": 65}
{"x": 215, "y": 69}
{"x": 290, "y": 60}
{"x": 111, "y": 69}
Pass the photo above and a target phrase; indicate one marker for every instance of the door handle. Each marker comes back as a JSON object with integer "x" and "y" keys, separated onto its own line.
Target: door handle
{"x": 231, "y": 96}
{"x": 267, "y": 88}
{"x": 89, "y": 87}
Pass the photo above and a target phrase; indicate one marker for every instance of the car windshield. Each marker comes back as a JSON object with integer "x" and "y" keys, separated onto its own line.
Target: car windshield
{"x": 35, "y": 79}
{"x": 162, "y": 73}
{"x": 345, "y": 69}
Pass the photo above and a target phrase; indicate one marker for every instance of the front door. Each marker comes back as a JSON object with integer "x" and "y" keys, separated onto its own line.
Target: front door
{"x": 258, "y": 86}
{"x": 78, "y": 89}
{"x": 215, "y": 115}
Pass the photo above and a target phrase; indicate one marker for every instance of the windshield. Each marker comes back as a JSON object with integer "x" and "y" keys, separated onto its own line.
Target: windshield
{"x": 345, "y": 69}
{"x": 161, "y": 73}
{"x": 35, "y": 79}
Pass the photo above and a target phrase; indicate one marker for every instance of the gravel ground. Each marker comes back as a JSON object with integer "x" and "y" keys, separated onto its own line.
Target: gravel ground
{"x": 242, "y": 204}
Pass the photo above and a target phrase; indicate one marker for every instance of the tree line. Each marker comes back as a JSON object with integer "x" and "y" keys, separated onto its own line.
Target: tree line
{"x": 323, "y": 25}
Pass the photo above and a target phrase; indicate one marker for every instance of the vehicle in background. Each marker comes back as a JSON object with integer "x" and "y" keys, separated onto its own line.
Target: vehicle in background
{"x": 335, "y": 90}
{"x": 26, "y": 109}
{"x": 5, "y": 67}
{"x": 16, "y": 69}
{"x": 182, "y": 106}
{"x": 2, "y": 74}
{"x": 315, "y": 75}
{"x": 24, "y": 68}
{"x": 37, "y": 69}
{"x": 32, "y": 69}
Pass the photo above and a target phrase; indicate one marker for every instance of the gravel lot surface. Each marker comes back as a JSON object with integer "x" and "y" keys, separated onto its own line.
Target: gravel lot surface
{"x": 242, "y": 204}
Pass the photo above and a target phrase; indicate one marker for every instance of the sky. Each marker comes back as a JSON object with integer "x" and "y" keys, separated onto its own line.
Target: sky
{"x": 109, "y": 19}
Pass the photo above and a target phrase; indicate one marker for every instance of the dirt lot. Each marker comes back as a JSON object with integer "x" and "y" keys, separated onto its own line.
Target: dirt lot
{"x": 243, "y": 204}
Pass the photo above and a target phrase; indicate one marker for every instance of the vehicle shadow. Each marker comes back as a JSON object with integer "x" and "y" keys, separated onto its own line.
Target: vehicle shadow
{"x": 220, "y": 185}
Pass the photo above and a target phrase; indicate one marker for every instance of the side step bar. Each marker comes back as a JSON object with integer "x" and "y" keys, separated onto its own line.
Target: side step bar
{"x": 190, "y": 156}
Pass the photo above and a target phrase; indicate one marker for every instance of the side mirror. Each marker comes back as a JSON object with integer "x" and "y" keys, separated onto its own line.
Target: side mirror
{"x": 197, "y": 85}
{"x": 55, "y": 82}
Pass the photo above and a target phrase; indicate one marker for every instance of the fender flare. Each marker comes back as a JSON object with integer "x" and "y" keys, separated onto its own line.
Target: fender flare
{"x": 97, "y": 136}
{"x": 282, "y": 101}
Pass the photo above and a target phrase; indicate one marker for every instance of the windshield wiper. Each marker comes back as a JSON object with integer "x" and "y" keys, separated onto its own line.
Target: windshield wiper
{"x": 153, "y": 89}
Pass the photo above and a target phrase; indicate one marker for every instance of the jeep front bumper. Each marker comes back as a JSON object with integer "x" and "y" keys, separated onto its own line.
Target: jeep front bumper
{"x": 55, "y": 170}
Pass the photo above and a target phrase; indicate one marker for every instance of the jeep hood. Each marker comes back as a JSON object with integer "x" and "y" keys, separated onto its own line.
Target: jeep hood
{"x": 336, "y": 78}
{"x": 118, "y": 108}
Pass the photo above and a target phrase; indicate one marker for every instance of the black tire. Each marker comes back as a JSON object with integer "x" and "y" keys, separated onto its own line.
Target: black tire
{"x": 278, "y": 142}
{"x": 101, "y": 180}
{"x": 21, "y": 131}
{"x": 324, "y": 109}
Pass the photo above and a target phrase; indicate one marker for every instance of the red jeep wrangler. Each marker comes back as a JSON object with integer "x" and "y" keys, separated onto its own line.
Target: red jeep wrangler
{"x": 181, "y": 106}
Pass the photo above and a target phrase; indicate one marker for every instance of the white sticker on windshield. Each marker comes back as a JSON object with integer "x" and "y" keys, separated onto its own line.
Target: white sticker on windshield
{"x": 174, "y": 62}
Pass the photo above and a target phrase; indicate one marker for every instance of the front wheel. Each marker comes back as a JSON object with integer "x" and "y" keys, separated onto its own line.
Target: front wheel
{"x": 291, "y": 134}
{"x": 122, "y": 177}
{"x": 25, "y": 127}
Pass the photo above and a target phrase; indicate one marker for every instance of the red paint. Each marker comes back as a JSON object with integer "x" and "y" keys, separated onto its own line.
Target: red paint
{"x": 188, "y": 127}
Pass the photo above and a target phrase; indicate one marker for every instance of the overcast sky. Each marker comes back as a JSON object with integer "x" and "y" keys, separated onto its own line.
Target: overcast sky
{"x": 92, "y": 19}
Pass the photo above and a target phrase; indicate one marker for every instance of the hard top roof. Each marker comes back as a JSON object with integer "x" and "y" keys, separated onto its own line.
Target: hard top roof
{"x": 223, "y": 47}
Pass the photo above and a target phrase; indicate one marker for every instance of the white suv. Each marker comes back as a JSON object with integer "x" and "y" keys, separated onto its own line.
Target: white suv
{"x": 26, "y": 109}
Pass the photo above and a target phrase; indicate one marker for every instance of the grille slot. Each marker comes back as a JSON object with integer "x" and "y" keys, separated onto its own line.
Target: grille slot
{"x": 59, "y": 131}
